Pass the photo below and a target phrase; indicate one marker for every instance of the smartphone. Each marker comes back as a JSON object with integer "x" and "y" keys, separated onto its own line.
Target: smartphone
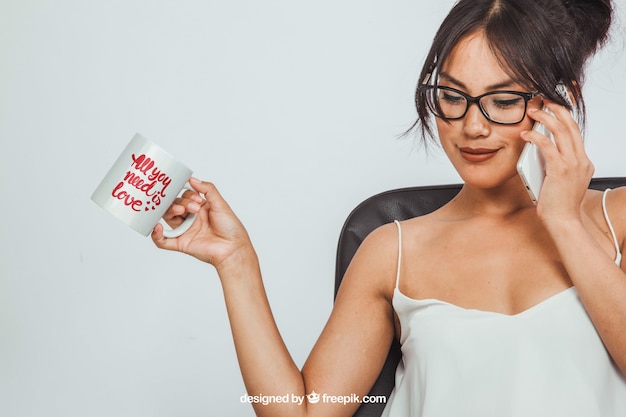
{"x": 531, "y": 165}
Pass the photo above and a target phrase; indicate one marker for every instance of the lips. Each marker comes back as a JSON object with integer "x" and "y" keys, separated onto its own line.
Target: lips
{"x": 478, "y": 154}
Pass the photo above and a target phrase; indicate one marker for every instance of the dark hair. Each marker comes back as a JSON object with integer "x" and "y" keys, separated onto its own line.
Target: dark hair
{"x": 538, "y": 42}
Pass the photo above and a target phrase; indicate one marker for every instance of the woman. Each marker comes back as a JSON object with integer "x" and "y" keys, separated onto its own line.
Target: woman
{"x": 503, "y": 308}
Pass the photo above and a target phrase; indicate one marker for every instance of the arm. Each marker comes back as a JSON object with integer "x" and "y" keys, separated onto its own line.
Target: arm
{"x": 599, "y": 281}
{"x": 601, "y": 284}
{"x": 352, "y": 347}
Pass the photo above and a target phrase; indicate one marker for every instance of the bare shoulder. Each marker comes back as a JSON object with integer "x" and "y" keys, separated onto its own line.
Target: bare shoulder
{"x": 427, "y": 226}
{"x": 615, "y": 209}
{"x": 385, "y": 240}
{"x": 374, "y": 267}
{"x": 382, "y": 235}
{"x": 615, "y": 202}
{"x": 375, "y": 259}
{"x": 618, "y": 196}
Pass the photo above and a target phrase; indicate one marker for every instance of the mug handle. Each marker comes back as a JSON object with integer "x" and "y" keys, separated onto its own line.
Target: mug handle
{"x": 185, "y": 225}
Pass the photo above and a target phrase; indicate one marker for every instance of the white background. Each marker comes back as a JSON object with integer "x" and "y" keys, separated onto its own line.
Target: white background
{"x": 292, "y": 108}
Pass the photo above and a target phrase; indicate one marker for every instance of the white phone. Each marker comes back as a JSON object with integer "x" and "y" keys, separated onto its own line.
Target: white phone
{"x": 531, "y": 165}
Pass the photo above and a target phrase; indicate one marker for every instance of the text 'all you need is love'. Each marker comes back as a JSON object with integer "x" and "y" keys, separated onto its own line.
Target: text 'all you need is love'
{"x": 143, "y": 185}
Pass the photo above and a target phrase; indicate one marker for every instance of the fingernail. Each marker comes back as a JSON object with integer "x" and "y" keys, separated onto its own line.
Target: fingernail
{"x": 197, "y": 198}
{"x": 193, "y": 207}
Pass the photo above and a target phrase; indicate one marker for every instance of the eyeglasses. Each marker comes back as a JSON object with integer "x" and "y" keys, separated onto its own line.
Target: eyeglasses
{"x": 501, "y": 107}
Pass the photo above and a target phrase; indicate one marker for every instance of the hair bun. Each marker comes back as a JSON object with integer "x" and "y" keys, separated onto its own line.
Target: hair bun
{"x": 591, "y": 20}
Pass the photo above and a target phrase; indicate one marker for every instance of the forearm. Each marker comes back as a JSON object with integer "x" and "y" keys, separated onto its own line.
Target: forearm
{"x": 266, "y": 365}
{"x": 220, "y": 239}
{"x": 599, "y": 282}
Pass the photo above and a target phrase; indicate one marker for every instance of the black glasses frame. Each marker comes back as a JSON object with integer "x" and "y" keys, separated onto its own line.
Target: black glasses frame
{"x": 469, "y": 100}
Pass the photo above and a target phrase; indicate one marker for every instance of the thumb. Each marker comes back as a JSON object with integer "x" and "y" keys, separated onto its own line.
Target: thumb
{"x": 161, "y": 241}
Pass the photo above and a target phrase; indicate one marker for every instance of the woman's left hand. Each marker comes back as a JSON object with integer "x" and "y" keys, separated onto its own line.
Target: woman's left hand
{"x": 568, "y": 168}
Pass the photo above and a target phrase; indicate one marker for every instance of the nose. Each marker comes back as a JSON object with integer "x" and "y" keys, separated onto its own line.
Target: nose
{"x": 475, "y": 123}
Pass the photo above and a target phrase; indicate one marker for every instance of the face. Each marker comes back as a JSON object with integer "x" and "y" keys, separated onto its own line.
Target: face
{"x": 484, "y": 153}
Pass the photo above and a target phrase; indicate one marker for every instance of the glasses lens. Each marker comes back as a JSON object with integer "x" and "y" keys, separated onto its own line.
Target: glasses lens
{"x": 452, "y": 105}
{"x": 504, "y": 107}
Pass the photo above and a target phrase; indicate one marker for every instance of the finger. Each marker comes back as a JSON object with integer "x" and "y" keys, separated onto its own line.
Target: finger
{"x": 562, "y": 113}
{"x": 161, "y": 241}
{"x": 183, "y": 205}
{"x": 558, "y": 130}
{"x": 556, "y": 162}
{"x": 192, "y": 195}
{"x": 545, "y": 145}
{"x": 211, "y": 194}
{"x": 188, "y": 206}
{"x": 537, "y": 136}
{"x": 175, "y": 210}
{"x": 570, "y": 124}
{"x": 175, "y": 215}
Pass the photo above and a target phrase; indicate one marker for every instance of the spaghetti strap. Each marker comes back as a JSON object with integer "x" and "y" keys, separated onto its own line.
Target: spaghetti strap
{"x": 618, "y": 256}
{"x": 399, "y": 252}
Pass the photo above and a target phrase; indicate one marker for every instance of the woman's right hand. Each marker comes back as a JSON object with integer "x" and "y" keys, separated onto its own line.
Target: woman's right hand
{"x": 216, "y": 236}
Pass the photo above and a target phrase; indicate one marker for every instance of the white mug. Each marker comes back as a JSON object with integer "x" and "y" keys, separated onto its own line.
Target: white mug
{"x": 141, "y": 185}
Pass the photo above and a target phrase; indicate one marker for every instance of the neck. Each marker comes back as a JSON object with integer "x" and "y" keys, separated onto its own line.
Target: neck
{"x": 503, "y": 201}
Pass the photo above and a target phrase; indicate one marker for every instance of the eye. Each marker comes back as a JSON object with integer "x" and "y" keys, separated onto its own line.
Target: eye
{"x": 505, "y": 101}
{"x": 451, "y": 98}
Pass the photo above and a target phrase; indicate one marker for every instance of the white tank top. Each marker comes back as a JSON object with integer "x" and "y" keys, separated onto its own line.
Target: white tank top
{"x": 547, "y": 361}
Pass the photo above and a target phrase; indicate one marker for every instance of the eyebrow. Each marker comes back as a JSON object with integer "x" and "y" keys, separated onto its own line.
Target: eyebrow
{"x": 497, "y": 86}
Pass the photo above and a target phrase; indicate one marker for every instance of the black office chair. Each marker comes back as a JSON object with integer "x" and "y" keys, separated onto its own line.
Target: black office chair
{"x": 401, "y": 204}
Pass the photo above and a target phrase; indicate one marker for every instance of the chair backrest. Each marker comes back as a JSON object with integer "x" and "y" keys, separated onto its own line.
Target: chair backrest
{"x": 401, "y": 204}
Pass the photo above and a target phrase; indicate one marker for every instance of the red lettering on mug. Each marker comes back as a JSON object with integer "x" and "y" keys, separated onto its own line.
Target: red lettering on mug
{"x": 142, "y": 163}
{"x": 128, "y": 199}
{"x": 144, "y": 176}
{"x": 137, "y": 182}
